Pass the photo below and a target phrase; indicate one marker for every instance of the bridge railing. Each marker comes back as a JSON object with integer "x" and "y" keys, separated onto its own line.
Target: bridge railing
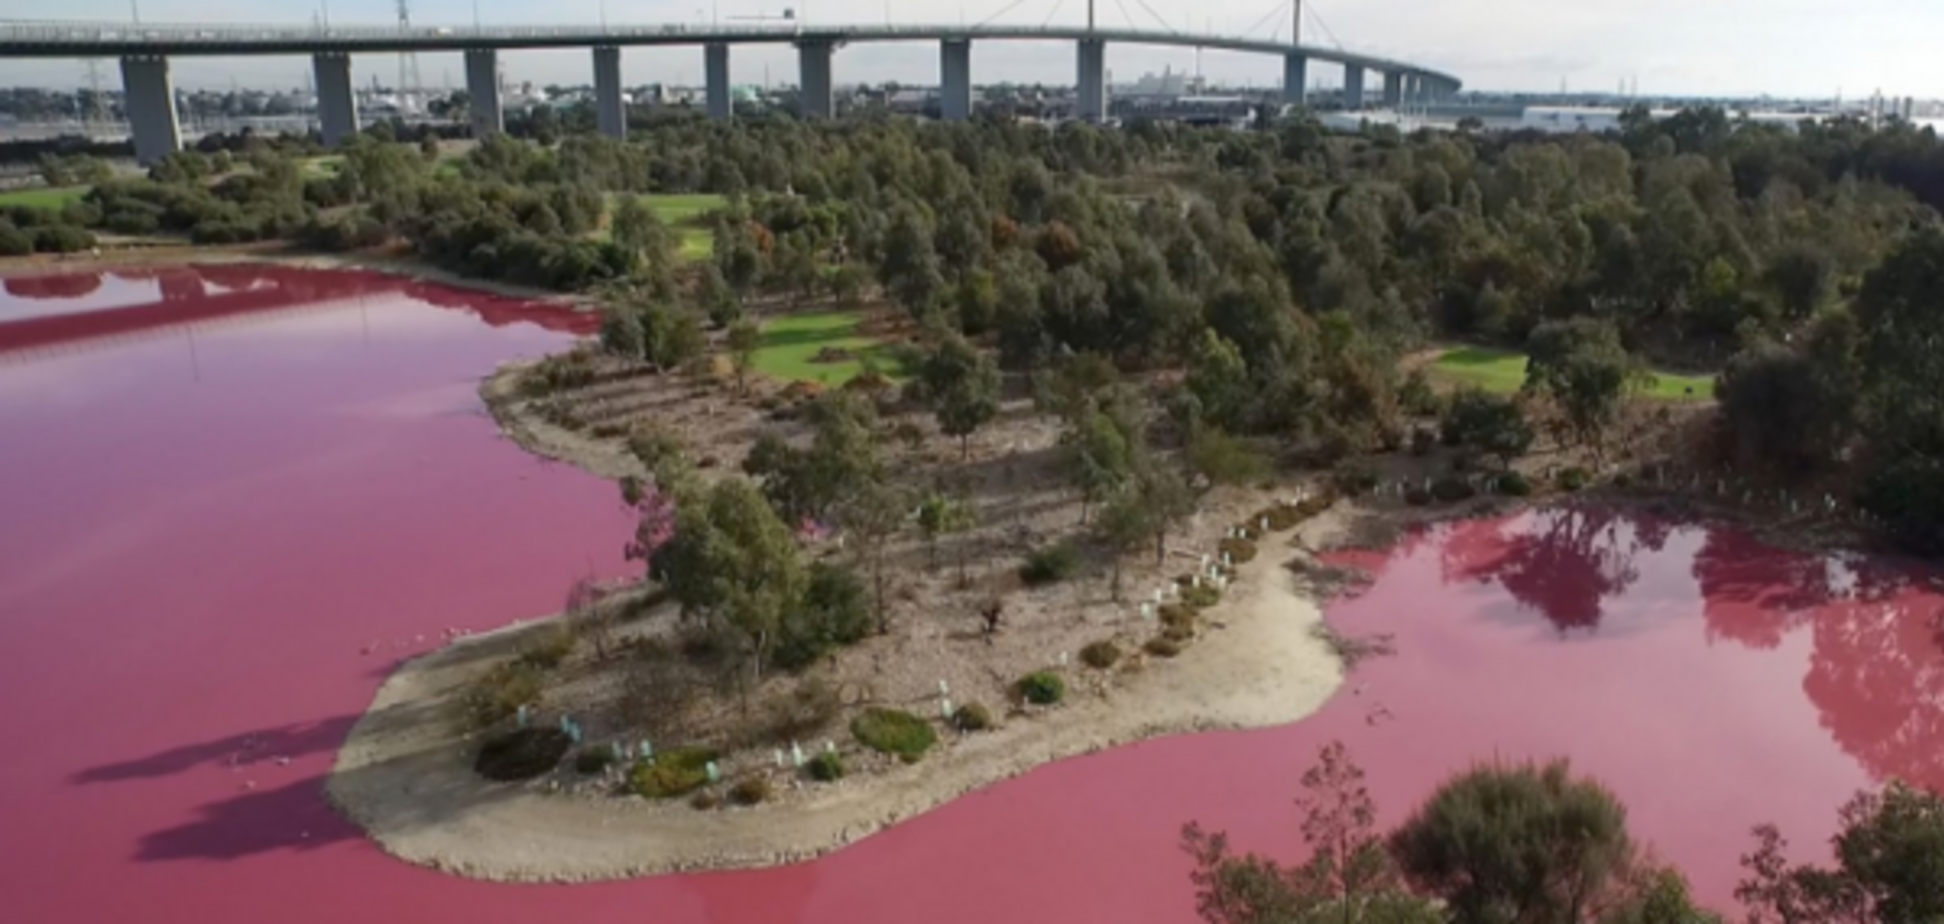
{"x": 98, "y": 31}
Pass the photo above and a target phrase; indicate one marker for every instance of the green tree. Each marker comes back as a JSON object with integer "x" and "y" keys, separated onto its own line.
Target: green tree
{"x": 942, "y": 515}
{"x": 1219, "y": 458}
{"x": 964, "y": 388}
{"x": 622, "y": 333}
{"x": 1585, "y": 369}
{"x": 732, "y": 562}
{"x": 874, "y": 515}
{"x": 714, "y": 296}
{"x": 1097, "y": 456}
{"x": 1526, "y": 843}
{"x": 1486, "y": 423}
{"x": 744, "y": 339}
{"x": 1219, "y": 381}
{"x": 671, "y": 335}
{"x": 1890, "y": 866}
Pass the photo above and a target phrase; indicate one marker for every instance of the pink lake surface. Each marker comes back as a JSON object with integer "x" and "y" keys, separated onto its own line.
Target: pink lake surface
{"x": 220, "y": 486}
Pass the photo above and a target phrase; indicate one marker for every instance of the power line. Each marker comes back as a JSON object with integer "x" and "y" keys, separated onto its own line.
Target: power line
{"x": 1049, "y": 16}
{"x": 1278, "y": 11}
{"x": 1003, "y": 11}
{"x": 1157, "y": 17}
{"x": 1318, "y": 16}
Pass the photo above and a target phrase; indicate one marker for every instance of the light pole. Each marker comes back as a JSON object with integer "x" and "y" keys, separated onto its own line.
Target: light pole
{"x": 135, "y": 11}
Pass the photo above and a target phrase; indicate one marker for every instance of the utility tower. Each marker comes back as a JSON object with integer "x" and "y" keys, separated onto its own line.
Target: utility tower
{"x": 408, "y": 69}
{"x": 1295, "y": 22}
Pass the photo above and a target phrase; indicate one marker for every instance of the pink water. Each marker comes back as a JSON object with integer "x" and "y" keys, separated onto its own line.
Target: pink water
{"x": 204, "y": 526}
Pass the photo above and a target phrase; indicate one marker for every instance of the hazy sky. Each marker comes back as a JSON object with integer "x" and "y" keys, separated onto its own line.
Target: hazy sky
{"x": 1782, "y": 47}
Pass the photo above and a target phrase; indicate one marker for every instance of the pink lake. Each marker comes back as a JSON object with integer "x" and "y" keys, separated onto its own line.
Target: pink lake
{"x": 221, "y": 486}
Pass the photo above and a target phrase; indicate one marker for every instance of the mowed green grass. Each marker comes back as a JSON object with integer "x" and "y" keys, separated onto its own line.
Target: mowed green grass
{"x": 688, "y": 216}
{"x": 790, "y": 343}
{"x": 1504, "y": 372}
{"x": 54, "y": 199}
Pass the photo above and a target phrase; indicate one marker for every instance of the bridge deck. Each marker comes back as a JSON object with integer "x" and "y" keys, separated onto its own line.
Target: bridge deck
{"x": 105, "y": 39}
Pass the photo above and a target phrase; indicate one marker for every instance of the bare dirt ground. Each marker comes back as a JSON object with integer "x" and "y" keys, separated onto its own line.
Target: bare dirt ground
{"x": 1257, "y": 658}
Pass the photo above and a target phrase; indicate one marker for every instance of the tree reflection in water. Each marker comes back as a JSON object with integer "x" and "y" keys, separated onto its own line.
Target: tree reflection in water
{"x": 1876, "y": 669}
{"x": 1562, "y": 562}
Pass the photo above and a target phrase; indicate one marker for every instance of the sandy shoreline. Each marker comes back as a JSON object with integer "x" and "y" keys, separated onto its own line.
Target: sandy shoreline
{"x": 405, "y": 776}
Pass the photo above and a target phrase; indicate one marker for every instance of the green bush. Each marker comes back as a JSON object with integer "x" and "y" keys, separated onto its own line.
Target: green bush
{"x": 1049, "y": 565}
{"x": 1202, "y": 597}
{"x": 1281, "y": 517}
{"x": 1100, "y": 655}
{"x": 522, "y": 754}
{"x": 1176, "y": 615}
{"x": 1416, "y": 396}
{"x": 1042, "y": 688}
{"x": 592, "y": 760}
{"x": 1180, "y": 633}
{"x": 1354, "y": 477}
{"x": 1572, "y": 479}
{"x": 891, "y": 731}
{"x": 752, "y": 791}
{"x": 675, "y": 772}
{"x": 826, "y": 767}
{"x": 1514, "y": 484}
{"x": 499, "y": 693}
{"x": 972, "y": 717}
{"x": 704, "y": 801}
{"x": 1239, "y": 551}
{"x": 836, "y": 611}
{"x": 1452, "y": 490}
{"x": 549, "y": 649}
{"x": 1163, "y": 647}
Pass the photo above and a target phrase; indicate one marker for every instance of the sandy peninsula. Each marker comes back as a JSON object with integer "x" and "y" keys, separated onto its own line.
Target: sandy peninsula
{"x": 406, "y": 776}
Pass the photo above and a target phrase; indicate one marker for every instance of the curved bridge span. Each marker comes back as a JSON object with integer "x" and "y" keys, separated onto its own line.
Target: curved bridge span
{"x": 145, "y": 48}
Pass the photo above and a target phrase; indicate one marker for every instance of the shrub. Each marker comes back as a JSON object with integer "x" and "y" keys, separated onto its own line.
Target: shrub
{"x": 549, "y": 649}
{"x": 1180, "y": 633}
{"x": 1452, "y": 490}
{"x": 836, "y": 610}
{"x": 500, "y": 693}
{"x": 1423, "y": 441}
{"x": 594, "y": 760}
{"x": 1100, "y": 655}
{"x": 1162, "y": 647}
{"x": 1049, "y": 565}
{"x": 752, "y": 791}
{"x": 805, "y": 711}
{"x": 704, "y": 801}
{"x": 1491, "y": 424}
{"x": 1239, "y": 551}
{"x": 826, "y": 767}
{"x": 1514, "y": 484}
{"x": 675, "y": 772}
{"x": 522, "y": 754}
{"x": 891, "y": 731}
{"x": 1354, "y": 477}
{"x": 1042, "y": 688}
{"x": 972, "y": 717}
{"x": 1415, "y": 395}
{"x": 13, "y": 241}
{"x": 1200, "y": 598}
{"x": 1280, "y": 517}
{"x": 1176, "y": 615}
{"x": 1573, "y": 479}
{"x": 1417, "y": 496}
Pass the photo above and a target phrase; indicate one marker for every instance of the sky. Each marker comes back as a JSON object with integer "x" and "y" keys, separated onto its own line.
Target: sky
{"x": 1785, "y": 48}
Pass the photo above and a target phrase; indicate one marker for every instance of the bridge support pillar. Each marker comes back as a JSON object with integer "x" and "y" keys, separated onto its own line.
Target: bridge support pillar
{"x": 1393, "y": 89}
{"x": 1090, "y": 104}
{"x": 1353, "y": 87}
{"x": 955, "y": 80}
{"x": 610, "y": 108}
{"x": 150, "y": 100}
{"x": 483, "y": 92}
{"x": 1295, "y": 78}
{"x": 816, "y": 90}
{"x": 337, "y": 104}
{"x": 715, "y": 80}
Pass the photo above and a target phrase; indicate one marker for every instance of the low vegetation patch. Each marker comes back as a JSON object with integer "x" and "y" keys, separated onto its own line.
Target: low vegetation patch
{"x": 752, "y": 791}
{"x": 1049, "y": 565}
{"x": 499, "y": 693}
{"x": 1162, "y": 646}
{"x": 790, "y": 347}
{"x": 1573, "y": 479}
{"x": 1239, "y": 551}
{"x": 594, "y": 760}
{"x": 549, "y": 648}
{"x": 1177, "y": 615}
{"x": 672, "y": 773}
{"x": 972, "y": 717}
{"x": 1513, "y": 484}
{"x": 826, "y": 767}
{"x": 1042, "y": 688}
{"x": 1451, "y": 490}
{"x": 891, "y": 731}
{"x": 521, "y": 754}
{"x": 1201, "y": 597}
{"x": 1100, "y": 655}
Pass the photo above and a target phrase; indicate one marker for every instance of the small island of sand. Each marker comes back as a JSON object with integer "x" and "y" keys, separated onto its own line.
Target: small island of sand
{"x": 1022, "y": 634}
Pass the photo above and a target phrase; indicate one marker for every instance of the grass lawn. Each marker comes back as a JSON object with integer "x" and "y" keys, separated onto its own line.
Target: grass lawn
{"x": 55, "y": 198}
{"x": 1503, "y": 372}
{"x": 687, "y": 216}
{"x": 327, "y": 165}
{"x": 790, "y": 342}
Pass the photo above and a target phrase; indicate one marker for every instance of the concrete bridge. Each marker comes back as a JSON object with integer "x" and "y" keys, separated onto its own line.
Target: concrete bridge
{"x": 145, "y": 49}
